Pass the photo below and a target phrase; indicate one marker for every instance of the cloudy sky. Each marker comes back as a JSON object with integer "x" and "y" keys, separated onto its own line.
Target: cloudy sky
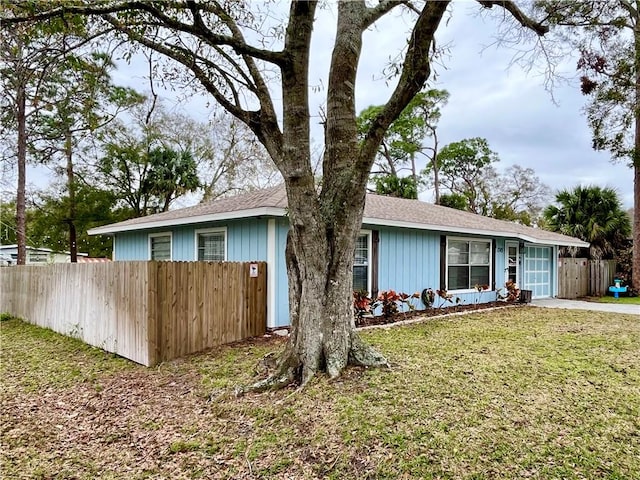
{"x": 507, "y": 105}
{"x": 488, "y": 98}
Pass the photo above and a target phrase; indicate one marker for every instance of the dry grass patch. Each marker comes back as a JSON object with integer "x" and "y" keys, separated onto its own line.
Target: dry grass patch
{"x": 516, "y": 393}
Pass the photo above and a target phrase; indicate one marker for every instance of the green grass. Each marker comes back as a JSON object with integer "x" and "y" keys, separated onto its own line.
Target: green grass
{"x": 516, "y": 393}
{"x": 35, "y": 359}
{"x": 620, "y": 300}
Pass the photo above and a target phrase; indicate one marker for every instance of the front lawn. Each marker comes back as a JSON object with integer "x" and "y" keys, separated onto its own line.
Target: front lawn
{"x": 515, "y": 393}
{"x": 621, "y": 300}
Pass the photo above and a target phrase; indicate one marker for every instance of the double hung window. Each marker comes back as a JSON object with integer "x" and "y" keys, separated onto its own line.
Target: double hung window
{"x": 468, "y": 263}
{"x": 361, "y": 263}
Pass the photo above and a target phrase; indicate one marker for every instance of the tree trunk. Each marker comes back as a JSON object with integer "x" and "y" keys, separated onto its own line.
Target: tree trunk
{"x": 21, "y": 219}
{"x": 636, "y": 165}
{"x": 436, "y": 168}
{"x": 71, "y": 186}
{"x": 325, "y": 222}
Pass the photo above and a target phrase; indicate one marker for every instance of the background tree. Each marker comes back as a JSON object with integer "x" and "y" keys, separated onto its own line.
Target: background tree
{"x": 454, "y": 200}
{"x": 143, "y": 164}
{"x": 26, "y": 54}
{"x": 170, "y": 175}
{"x": 48, "y": 219}
{"x": 8, "y": 227}
{"x": 228, "y": 156}
{"x": 473, "y": 184}
{"x": 80, "y": 100}
{"x": 607, "y": 35}
{"x": 593, "y": 214}
{"x": 403, "y": 141}
{"x": 466, "y": 169}
{"x": 393, "y": 186}
{"x": 208, "y": 41}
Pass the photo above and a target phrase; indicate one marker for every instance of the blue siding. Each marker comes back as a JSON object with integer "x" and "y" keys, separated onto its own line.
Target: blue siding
{"x": 282, "y": 283}
{"x": 246, "y": 241}
{"x": 133, "y": 245}
{"x": 183, "y": 244}
{"x": 409, "y": 260}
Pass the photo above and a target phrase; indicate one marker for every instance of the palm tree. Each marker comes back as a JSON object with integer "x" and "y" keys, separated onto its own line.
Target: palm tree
{"x": 593, "y": 214}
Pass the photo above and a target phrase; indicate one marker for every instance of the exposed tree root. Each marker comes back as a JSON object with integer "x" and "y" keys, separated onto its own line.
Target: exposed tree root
{"x": 364, "y": 355}
{"x": 280, "y": 379}
{"x": 289, "y": 370}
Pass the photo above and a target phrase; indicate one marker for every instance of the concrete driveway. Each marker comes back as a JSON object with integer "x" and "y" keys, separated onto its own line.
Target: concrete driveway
{"x": 579, "y": 305}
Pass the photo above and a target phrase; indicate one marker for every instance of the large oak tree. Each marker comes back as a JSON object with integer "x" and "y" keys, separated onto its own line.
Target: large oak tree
{"x": 219, "y": 44}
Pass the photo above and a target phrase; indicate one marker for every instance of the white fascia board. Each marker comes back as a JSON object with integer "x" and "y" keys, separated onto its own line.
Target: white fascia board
{"x": 469, "y": 231}
{"x": 253, "y": 212}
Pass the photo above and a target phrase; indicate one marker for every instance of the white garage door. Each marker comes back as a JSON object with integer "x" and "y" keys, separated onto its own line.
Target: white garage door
{"x": 537, "y": 271}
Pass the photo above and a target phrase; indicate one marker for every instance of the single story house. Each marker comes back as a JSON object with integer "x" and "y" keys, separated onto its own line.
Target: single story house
{"x": 36, "y": 255}
{"x": 405, "y": 245}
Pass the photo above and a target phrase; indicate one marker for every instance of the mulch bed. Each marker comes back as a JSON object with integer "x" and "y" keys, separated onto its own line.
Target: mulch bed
{"x": 430, "y": 312}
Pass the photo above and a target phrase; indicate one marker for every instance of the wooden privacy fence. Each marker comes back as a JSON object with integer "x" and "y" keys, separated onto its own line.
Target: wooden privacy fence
{"x": 579, "y": 277}
{"x": 148, "y": 312}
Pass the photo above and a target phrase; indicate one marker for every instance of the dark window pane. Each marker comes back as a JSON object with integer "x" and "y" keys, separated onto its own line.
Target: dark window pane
{"x": 458, "y": 278}
{"x": 360, "y": 278}
{"x": 479, "y": 276}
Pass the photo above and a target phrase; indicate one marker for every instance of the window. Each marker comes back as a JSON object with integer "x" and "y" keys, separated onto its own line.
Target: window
{"x": 211, "y": 245}
{"x": 37, "y": 257}
{"x": 468, "y": 263}
{"x": 160, "y": 246}
{"x": 361, "y": 264}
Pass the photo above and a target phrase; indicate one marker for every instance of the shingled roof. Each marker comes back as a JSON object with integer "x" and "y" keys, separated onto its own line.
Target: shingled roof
{"x": 379, "y": 210}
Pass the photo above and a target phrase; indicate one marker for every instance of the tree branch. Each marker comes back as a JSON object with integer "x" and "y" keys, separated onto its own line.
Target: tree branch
{"x": 384, "y": 7}
{"x": 415, "y": 72}
{"x": 518, "y": 14}
{"x": 198, "y": 28}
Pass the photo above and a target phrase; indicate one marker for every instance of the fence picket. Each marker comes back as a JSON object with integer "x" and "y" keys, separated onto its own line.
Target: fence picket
{"x": 148, "y": 312}
{"x": 580, "y": 277}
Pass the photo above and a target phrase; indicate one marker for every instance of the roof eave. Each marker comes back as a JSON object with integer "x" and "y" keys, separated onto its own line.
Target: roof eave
{"x": 281, "y": 212}
{"x": 472, "y": 231}
{"x": 238, "y": 214}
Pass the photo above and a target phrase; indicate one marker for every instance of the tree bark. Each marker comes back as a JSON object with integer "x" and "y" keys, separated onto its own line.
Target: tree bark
{"x": 635, "y": 269}
{"x": 71, "y": 187}
{"x": 21, "y": 117}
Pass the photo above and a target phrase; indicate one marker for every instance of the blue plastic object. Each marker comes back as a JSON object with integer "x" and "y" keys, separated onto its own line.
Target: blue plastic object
{"x": 617, "y": 290}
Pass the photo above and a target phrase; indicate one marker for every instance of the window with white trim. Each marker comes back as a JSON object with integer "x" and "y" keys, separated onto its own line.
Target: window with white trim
{"x": 468, "y": 263}
{"x": 160, "y": 246}
{"x": 211, "y": 245}
{"x": 361, "y": 263}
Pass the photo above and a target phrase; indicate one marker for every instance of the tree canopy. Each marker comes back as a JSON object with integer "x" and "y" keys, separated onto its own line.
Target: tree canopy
{"x": 403, "y": 141}
{"x": 472, "y": 183}
{"x": 593, "y": 214}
